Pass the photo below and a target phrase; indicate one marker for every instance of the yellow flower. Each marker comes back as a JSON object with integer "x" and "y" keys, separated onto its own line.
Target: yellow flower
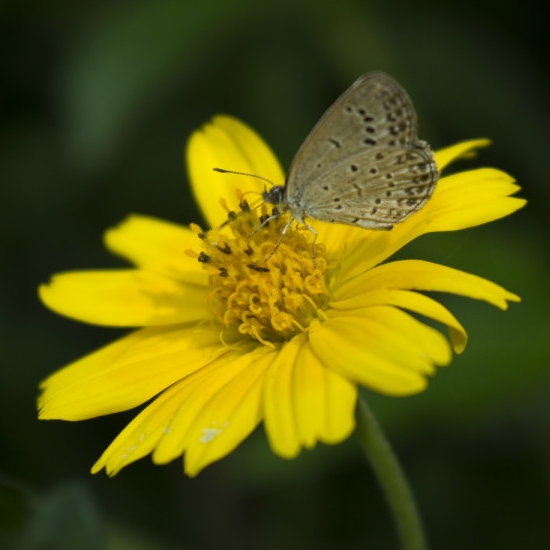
{"x": 229, "y": 340}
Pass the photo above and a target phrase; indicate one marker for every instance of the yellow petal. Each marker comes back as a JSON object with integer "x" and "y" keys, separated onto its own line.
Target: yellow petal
{"x": 304, "y": 402}
{"x": 468, "y": 199}
{"x": 280, "y": 421}
{"x": 338, "y": 238}
{"x": 158, "y": 246}
{"x": 127, "y": 372}
{"x": 380, "y": 347}
{"x": 421, "y": 275}
{"x": 205, "y": 422}
{"x": 142, "y": 435}
{"x": 128, "y": 298}
{"x": 412, "y": 301}
{"x": 463, "y": 200}
{"x": 205, "y": 416}
{"x": 464, "y": 149}
{"x": 227, "y": 143}
{"x": 323, "y": 401}
{"x": 230, "y": 415}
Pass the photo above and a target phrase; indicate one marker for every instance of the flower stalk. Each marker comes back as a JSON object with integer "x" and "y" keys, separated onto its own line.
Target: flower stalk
{"x": 392, "y": 480}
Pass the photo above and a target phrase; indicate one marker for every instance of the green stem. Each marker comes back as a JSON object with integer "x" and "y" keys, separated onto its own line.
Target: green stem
{"x": 391, "y": 478}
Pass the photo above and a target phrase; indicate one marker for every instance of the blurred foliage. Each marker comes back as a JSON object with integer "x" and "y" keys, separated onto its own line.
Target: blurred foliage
{"x": 97, "y": 100}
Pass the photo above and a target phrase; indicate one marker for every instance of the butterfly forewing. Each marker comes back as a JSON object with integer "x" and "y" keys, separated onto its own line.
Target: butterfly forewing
{"x": 374, "y": 111}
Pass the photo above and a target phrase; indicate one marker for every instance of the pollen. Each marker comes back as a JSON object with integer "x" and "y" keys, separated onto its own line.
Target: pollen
{"x": 266, "y": 285}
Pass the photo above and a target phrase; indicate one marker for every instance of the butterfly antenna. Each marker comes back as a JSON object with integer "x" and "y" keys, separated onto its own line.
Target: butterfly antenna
{"x": 223, "y": 171}
{"x": 261, "y": 201}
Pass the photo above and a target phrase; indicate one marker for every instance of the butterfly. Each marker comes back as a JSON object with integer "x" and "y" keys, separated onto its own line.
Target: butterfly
{"x": 362, "y": 164}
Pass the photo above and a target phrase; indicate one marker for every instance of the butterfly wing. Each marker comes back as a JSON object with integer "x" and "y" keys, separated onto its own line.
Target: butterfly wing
{"x": 373, "y": 191}
{"x": 374, "y": 116}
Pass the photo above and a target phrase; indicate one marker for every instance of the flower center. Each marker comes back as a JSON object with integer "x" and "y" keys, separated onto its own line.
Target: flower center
{"x": 267, "y": 286}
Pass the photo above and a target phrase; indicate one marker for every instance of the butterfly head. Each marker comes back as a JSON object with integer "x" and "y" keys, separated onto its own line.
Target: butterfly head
{"x": 276, "y": 195}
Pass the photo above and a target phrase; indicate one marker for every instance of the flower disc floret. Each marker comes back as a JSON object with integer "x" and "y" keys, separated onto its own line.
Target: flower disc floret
{"x": 267, "y": 285}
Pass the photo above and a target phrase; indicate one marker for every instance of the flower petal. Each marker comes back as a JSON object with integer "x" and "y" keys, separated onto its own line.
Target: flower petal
{"x": 142, "y": 435}
{"x": 421, "y": 275}
{"x": 305, "y": 402}
{"x": 323, "y": 401}
{"x": 158, "y": 246}
{"x": 127, "y": 372}
{"x": 412, "y": 301}
{"x": 380, "y": 347}
{"x": 450, "y": 208}
{"x": 468, "y": 199}
{"x": 200, "y": 414}
{"x": 464, "y": 149}
{"x": 220, "y": 410}
{"x": 125, "y": 298}
{"x": 279, "y": 419}
{"x": 228, "y": 143}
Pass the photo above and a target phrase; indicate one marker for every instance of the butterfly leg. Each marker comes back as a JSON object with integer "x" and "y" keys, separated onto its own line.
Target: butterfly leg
{"x": 266, "y": 221}
{"x": 283, "y": 232}
{"x": 312, "y": 243}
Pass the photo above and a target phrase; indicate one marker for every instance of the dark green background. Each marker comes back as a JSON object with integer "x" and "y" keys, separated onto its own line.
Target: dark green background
{"x": 97, "y": 101}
